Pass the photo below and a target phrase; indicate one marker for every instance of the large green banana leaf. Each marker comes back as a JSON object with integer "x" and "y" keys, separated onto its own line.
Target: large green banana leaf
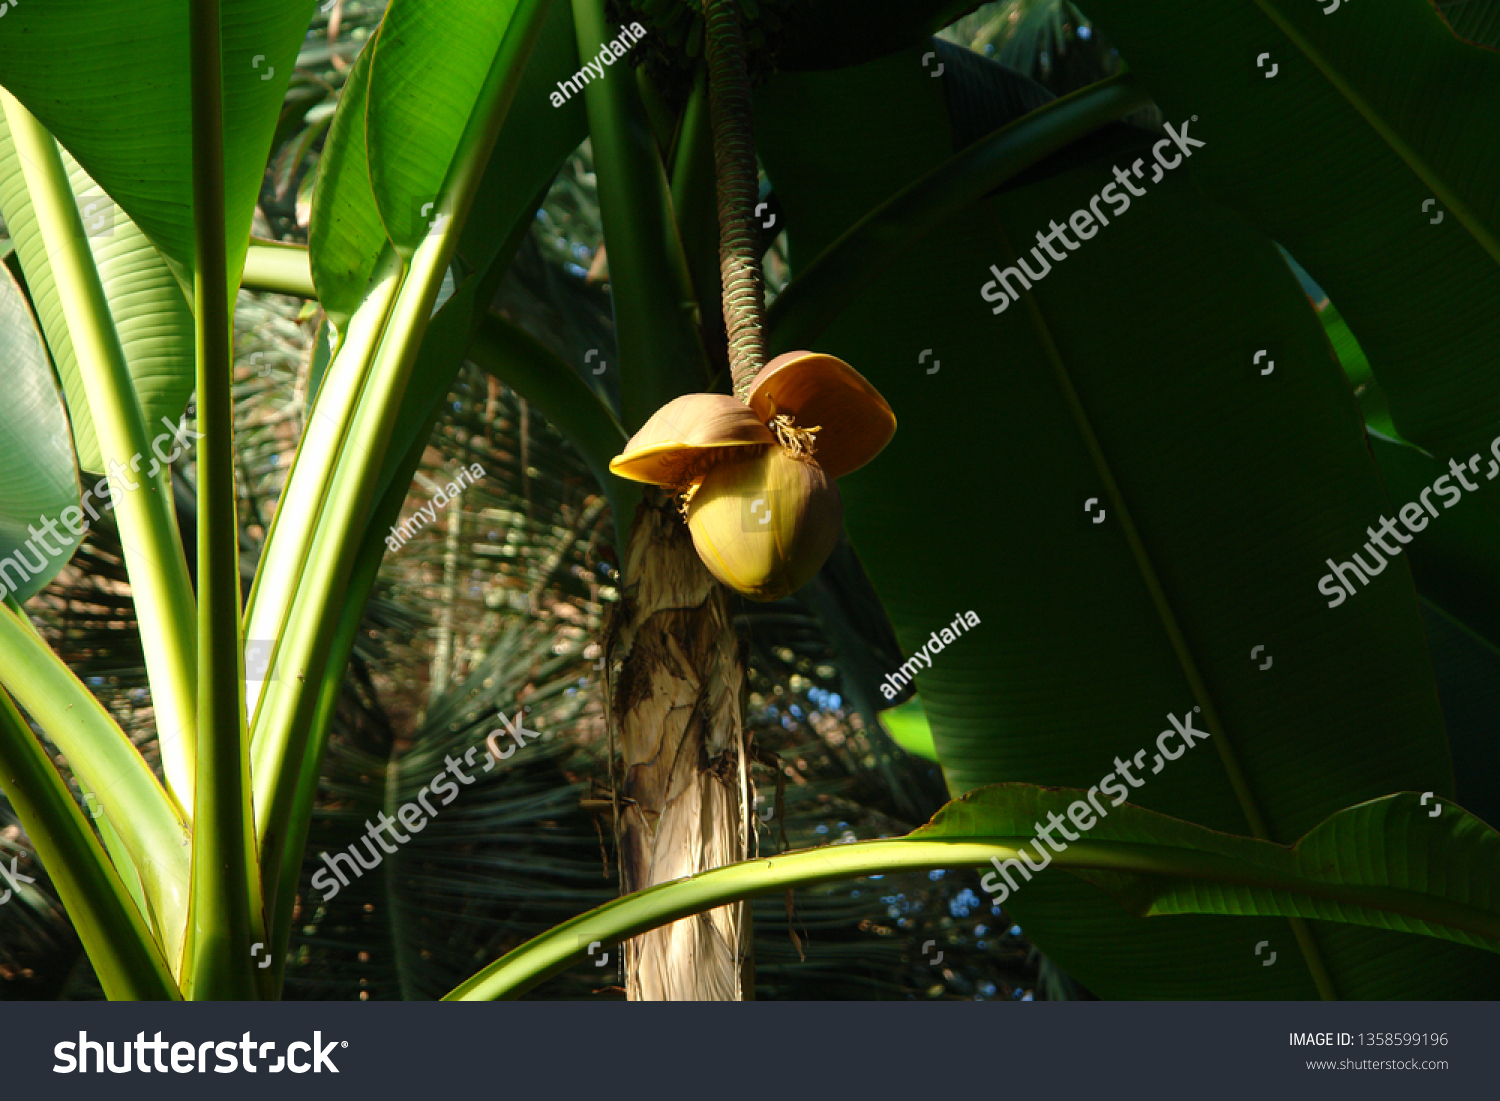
{"x": 1476, "y": 20}
{"x": 429, "y": 68}
{"x": 348, "y": 232}
{"x": 1455, "y": 558}
{"x": 1455, "y": 566}
{"x": 40, "y": 480}
{"x": 1128, "y": 378}
{"x": 345, "y": 234}
{"x": 1368, "y": 864}
{"x": 147, "y": 305}
{"x": 111, "y": 81}
{"x": 1371, "y": 155}
{"x": 1468, "y": 676}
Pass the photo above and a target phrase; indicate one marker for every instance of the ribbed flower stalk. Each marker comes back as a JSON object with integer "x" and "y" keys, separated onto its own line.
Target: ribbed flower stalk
{"x": 738, "y": 188}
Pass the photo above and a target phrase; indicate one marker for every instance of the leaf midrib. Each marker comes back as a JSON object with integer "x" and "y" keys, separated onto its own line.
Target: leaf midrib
{"x": 554, "y": 951}
{"x": 1312, "y": 956}
{"x": 1386, "y": 132}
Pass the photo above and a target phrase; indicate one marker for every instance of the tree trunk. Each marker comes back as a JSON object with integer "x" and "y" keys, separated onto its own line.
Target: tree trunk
{"x": 677, "y": 700}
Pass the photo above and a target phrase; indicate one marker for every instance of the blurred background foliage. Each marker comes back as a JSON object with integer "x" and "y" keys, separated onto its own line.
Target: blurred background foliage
{"x": 1051, "y": 42}
{"x": 493, "y": 608}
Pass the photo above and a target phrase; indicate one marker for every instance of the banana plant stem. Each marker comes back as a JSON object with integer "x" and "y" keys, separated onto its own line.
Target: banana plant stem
{"x": 226, "y": 910}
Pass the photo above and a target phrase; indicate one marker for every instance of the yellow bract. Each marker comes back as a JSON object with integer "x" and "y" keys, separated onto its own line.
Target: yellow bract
{"x": 763, "y": 508}
{"x": 765, "y": 526}
{"x": 855, "y": 421}
{"x": 684, "y": 437}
